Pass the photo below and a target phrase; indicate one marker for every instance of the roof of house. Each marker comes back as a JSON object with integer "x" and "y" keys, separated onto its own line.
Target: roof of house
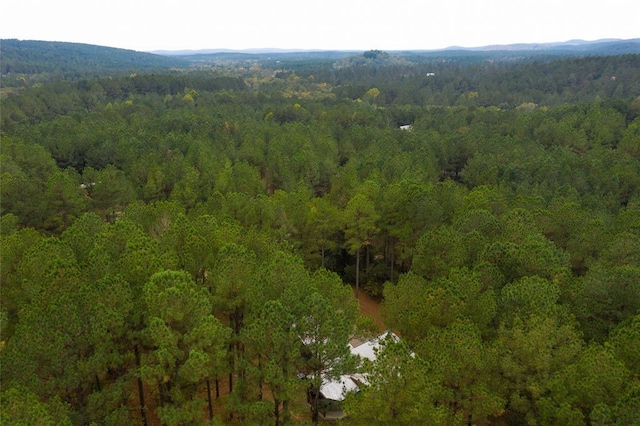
{"x": 368, "y": 349}
{"x": 338, "y": 389}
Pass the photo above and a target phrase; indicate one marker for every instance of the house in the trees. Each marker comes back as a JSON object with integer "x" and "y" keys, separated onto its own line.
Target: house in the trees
{"x": 333, "y": 392}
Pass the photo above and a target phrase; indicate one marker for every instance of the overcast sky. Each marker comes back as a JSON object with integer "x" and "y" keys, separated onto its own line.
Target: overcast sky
{"x": 147, "y": 25}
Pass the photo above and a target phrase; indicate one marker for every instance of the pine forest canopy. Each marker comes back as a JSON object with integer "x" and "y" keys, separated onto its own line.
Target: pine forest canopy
{"x": 180, "y": 235}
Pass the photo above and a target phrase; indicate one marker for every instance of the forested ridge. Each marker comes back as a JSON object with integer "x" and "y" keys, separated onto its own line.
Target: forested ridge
{"x": 35, "y": 59}
{"x": 183, "y": 247}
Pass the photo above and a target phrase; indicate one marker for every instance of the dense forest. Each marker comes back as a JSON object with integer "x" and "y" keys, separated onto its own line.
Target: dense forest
{"x": 181, "y": 244}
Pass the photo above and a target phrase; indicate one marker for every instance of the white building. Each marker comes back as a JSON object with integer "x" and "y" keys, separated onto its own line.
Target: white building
{"x": 337, "y": 390}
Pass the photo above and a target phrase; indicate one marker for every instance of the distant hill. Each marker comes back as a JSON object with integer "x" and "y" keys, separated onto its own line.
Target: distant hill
{"x": 262, "y": 55}
{"x": 62, "y": 60}
{"x": 68, "y": 59}
{"x": 521, "y": 51}
{"x": 190, "y": 52}
{"x": 604, "y": 46}
{"x": 527, "y": 51}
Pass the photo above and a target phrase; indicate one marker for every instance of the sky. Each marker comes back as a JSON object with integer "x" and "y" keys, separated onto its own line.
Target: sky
{"x": 146, "y": 25}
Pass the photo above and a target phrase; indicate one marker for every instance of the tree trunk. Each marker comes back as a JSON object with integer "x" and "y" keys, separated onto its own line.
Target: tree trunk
{"x": 366, "y": 261}
{"x": 209, "y": 400}
{"x": 82, "y": 409}
{"x": 285, "y": 412}
{"x": 358, "y": 272}
{"x": 260, "y": 379}
{"x": 231, "y": 357}
{"x": 314, "y": 406}
{"x": 143, "y": 407}
{"x": 161, "y": 393}
{"x": 276, "y": 410}
{"x": 217, "y": 388}
{"x": 392, "y": 249}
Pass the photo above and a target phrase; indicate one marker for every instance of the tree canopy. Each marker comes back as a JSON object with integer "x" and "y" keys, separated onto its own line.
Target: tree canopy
{"x": 178, "y": 246}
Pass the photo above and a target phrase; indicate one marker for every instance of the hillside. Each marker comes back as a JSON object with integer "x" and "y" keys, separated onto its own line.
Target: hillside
{"x": 63, "y": 60}
{"x": 71, "y": 59}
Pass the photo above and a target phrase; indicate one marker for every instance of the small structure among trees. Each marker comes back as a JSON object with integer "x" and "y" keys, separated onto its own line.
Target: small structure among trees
{"x": 334, "y": 391}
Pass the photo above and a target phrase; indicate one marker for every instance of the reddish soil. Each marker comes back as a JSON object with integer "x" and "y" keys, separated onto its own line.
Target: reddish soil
{"x": 371, "y": 307}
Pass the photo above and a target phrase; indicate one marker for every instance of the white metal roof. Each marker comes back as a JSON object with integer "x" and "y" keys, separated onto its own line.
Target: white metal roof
{"x": 368, "y": 348}
{"x": 338, "y": 389}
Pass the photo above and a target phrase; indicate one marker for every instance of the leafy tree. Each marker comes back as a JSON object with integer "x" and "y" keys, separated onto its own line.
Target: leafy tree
{"x": 398, "y": 390}
{"x": 408, "y": 209}
{"x": 13, "y": 294}
{"x": 122, "y": 249}
{"x": 109, "y": 190}
{"x": 8, "y": 224}
{"x": 360, "y": 227}
{"x": 154, "y": 218}
{"x": 466, "y": 368}
{"x": 187, "y": 342}
{"x": 533, "y": 348}
{"x": 233, "y": 274}
{"x": 65, "y": 202}
{"x": 68, "y": 344}
{"x": 631, "y": 138}
{"x": 322, "y": 227}
{"x": 82, "y": 235}
{"x": 26, "y": 169}
{"x": 330, "y": 285}
{"x": 401, "y": 303}
{"x": 625, "y": 342}
{"x": 22, "y": 407}
{"x": 48, "y": 266}
{"x": 193, "y": 243}
{"x": 529, "y": 295}
{"x": 595, "y": 381}
{"x": 273, "y": 347}
{"x": 291, "y": 214}
{"x": 622, "y": 249}
{"x": 325, "y": 334}
{"x": 439, "y": 250}
{"x": 585, "y": 245}
{"x": 606, "y": 297}
{"x": 186, "y": 190}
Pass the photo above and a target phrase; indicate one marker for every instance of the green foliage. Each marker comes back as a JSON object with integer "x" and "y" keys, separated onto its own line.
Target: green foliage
{"x": 67, "y": 339}
{"x": 534, "y": 348}
{"x": 439, "y": 250}
{"x": 22, "y": 407}
{"x": 187, "y": 343}
{"x": 71, "y": 59}
{"x": 459, "y": 347}
{"x": 399, "y": 390}
{"x": 607, "y": 297}
{"x": 274, "y": 341}
{"x": 415, "y": 306}
{"x": 592, "y": 384}
{"x": 140, "y": 212}
{"x": 625, "y": 342}
{"x": 325, "y": 332}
